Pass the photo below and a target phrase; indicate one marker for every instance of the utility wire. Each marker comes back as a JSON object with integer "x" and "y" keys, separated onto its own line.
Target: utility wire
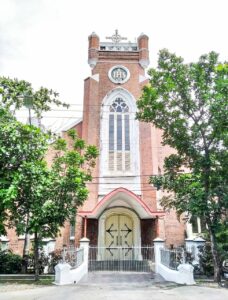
{"x": 139, "y": 175}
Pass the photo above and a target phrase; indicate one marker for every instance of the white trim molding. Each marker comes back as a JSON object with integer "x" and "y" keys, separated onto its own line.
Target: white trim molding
{"x": 110, "y": 180}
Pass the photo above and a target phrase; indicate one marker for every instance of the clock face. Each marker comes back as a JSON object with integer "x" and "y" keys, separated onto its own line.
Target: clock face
{"x": 119, "y": 74}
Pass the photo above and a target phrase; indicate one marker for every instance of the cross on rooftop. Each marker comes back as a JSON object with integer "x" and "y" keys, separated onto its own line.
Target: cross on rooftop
{"x": 116, "y": 37}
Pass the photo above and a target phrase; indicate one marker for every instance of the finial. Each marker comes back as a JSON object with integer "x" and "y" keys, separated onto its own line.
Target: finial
{"x": 116, "y": 37}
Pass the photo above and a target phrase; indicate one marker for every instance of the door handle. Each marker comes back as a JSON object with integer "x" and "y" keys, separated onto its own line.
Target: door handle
{"x": 121, "y": 241}
{"x": 117, "y": 240}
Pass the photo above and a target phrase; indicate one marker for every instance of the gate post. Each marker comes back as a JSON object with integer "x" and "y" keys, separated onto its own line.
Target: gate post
{"x": 199, "y": 242}
{"x": 194, "y": 244}
{"x": 158, "y": 244}
{"x": 84, "y": 243}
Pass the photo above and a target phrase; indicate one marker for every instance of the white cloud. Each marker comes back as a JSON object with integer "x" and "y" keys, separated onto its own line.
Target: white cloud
{"x": 45, "y": 41}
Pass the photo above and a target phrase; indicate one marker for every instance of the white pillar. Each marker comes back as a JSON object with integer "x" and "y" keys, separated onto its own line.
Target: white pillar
{"x": 190, "y": 246}
{"x": 194, "y": 244}
{"x": 62, "y": 274}
{"x": 84, "y": 243}
{"x": 158, "y": 244}
{"x": 198, "y": 242}
{"x": 101, "y": 239}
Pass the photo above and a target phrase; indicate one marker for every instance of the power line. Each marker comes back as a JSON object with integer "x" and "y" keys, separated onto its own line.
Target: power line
{"x": 52, "y": 117}
{"x": 66, "y": 117}
{"x": 91, "y": 110}
{"x": 119, "y": 183}
{"x": 124, "y": 176}
{"x": 133, "y": 190}
{"x": 86, "y": 108}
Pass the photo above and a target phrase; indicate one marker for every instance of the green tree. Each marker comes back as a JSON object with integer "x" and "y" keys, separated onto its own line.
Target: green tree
{"x": 189, "y": 102}
{"x": 45, "y": 198}
{"x": 15, "y": 93}
{"x": 33, "y": 198}
{"x": 19, "y": 144}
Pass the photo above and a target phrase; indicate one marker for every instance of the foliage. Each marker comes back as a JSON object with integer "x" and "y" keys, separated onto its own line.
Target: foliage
{"x": 43, "y": 261}
{"x": 20, "y": 145}
{"x": 206, "y": 260}
{"x": 206, "y": 263}
{"x": 222, "y": 238}
{"x": 15, "y": 93}
{"x": 36, "y": 199}
{"x": 42, "y": 199}
{"x": 10, "y": 263}
{"x": 189, "y": 102}
{"x": 54, "y": 258}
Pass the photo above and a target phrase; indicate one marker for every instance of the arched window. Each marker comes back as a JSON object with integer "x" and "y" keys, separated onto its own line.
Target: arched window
{"x": 119, "y": 136}
{"x": 119, "y": 142}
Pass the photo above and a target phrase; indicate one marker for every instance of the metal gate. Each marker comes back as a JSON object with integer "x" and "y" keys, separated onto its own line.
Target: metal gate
{"x": 135, "y": 259}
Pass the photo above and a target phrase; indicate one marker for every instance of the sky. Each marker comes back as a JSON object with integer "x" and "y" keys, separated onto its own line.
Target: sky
{"x": 46, "y": 41}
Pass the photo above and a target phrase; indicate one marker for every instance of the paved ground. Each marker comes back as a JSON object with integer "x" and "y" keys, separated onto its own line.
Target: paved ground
{"x": 122, "y": 279}
{"x": 118, "y": 286}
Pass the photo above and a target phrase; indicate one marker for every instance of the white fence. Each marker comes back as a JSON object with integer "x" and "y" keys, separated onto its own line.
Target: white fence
{"x": 74, "y": 265}
{"x": 171, "y": 264}
{"x": 133, "y": 258}
{"x": 172, "y": 258}
{"x": 73, "y": 256}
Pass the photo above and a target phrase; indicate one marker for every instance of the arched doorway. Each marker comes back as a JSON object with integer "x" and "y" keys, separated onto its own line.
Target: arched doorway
{"x": 119, "y": 233}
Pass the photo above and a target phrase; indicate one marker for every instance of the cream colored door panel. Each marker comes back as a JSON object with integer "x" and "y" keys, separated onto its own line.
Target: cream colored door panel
{"x": 118, "y": 237}
{"x": 126, "y": 236}
{"x": 111, "y": 237}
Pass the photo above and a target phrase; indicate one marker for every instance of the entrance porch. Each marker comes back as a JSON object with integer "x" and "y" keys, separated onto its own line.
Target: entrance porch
{"x": 120, "y": 219}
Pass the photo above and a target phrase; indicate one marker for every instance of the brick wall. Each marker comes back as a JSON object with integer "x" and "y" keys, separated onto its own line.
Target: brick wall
{"x": 152, "y": 152}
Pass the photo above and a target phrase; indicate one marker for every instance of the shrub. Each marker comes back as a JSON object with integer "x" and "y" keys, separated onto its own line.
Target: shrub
{"x": 55, "y": 258}
{"x": 10, "y": 263}
{"x": 206, "y": 260}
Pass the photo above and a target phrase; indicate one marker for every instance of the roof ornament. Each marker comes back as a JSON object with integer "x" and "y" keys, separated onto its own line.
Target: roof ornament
{"x": 116, "y": 37}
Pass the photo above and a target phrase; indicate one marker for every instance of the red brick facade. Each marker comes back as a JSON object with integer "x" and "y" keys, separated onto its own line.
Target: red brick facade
{"x": 151, "y": 152}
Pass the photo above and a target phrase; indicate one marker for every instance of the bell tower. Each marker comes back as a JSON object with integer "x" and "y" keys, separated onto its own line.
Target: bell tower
{"x": 117, "y": 78}
{"x": 120, "y": 196}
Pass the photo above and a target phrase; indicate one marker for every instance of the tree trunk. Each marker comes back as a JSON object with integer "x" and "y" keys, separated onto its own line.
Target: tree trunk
{"x": 26, "y": 252}
{"x": 215, "y": 255}
{"x": 214, "y": 246}
{"x": 36, "y": 256}
{"x": 26, "y": 244}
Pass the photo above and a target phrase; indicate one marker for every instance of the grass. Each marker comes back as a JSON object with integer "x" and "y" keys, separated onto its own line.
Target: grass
{"x": 41, "y": 281}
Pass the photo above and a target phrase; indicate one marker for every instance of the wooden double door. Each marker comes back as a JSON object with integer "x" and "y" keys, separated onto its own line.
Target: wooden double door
{"x": 119, "y": 234}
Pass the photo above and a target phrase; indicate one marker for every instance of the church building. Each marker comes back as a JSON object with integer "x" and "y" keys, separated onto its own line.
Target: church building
{"x": 122, "y": 209}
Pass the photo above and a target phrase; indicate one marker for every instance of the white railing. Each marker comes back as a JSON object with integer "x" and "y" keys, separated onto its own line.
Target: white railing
{"x": 139, "y": 259}
{"x": 73, "y": 256}
{"x": 171, "y": 264}
{"x": 190, "y": 249}
{"x": 172, "y": 258}
{"x": 74, "y": 265}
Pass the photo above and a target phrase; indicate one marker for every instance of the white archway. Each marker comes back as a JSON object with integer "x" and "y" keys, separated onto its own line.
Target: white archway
{"x": 133, "y": 161}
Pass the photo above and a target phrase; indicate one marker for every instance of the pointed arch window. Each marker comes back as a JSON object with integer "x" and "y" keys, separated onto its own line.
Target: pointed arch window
{"x": 119, "y": 136}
